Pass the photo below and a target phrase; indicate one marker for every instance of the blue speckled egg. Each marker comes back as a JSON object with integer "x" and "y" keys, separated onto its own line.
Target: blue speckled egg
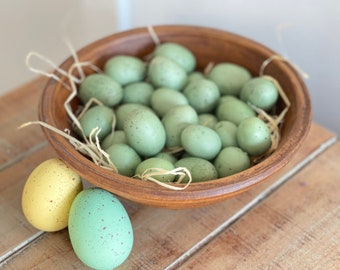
{"x": 100, "y": 229}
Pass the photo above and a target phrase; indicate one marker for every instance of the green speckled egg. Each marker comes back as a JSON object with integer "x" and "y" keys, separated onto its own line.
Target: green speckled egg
{"x": 163, "y": 99}
{"x": 159, "y": 163}
{"x": 253, "y": 136}
{"x": 260, "y": 92}
{"x": 138, "y": 92}
{"x": 207, "y": 119}
{"x": 124, "y": 110}
{"x": 234, "y": 110}
{"x": 200, "y": 141}
{"x": 167, "y": 156}
{"x": 227, "y": 132}
{"x": 100, "y": 229}
{"x": 164, "y": 72}
{"x": 144, "y": 132}
{"x": 200, "y": 169}
{"x": 101, "y": 87}
{"x": 125, "y": 69}
{"x": 175, "y": 120}
{"x": 195, "y": 75}
{"x": 229, "y": 77}
{"x": 98, "y": 116}
{"x": 202, "y": 94}
{"x": 177, "y": 53}
{"x": 118, "y": 136}
{"x": 124, "y": 158}
{"x": 231, "y": 160}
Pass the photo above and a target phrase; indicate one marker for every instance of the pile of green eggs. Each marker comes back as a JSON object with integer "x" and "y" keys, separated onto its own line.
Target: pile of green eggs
{"x": 168, "y": 114}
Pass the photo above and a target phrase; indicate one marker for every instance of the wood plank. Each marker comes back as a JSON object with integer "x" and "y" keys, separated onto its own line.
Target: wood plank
{"x": 14, "y": 228}
{"x": 17, "y": 107}
{"x": 41, "y": 256}
{"x": 296, "y": 228}
{"x": 161, "y": 235}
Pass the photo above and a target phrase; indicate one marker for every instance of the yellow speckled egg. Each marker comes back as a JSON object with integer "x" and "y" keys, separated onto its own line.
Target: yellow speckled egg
{"x": 48, "y": 194}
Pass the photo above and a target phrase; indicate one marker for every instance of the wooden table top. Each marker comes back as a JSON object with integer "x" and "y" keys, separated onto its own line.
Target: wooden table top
{"x": 288, "y": 222}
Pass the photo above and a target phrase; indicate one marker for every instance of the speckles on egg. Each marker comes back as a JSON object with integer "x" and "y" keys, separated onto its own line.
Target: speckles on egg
{"x": 101, "y": 87}
{"x": 231, "y": 160}
{"x": 177, "y": 53}
{"x": 200, "y": 141}
{"x": 145, "y": 132}
{"x": 97, "y": 117}
{"x": 175, "y": 120}
{"x": 125, "y": 69}
{"x": 200, "y": 169}
{"x": 253, "y": 136}
{"x": 163, "y": 72}
{"x": 48, "y": 194}
{"x": 100, "y": 230}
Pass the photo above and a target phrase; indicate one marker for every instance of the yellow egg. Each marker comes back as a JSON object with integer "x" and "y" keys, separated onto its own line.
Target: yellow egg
{"x": 48, "y": 194}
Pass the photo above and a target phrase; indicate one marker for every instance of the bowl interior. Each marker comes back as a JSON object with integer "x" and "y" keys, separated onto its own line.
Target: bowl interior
{"x": 208, "y": 45}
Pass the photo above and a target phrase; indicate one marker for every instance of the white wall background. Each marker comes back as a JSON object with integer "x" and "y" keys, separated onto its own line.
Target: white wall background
{"x": 39, "y": 25}
{"x": 311, "y": 39}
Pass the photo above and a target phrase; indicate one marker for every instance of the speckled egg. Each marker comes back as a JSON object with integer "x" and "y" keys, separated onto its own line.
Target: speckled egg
{"x": 100, "y": 117}
{"x": 175, "y": 120}
{"x": 260, "y": 92}
{"x": 124, "y": 158}
{"x": 253, "y": 136}
{"x": 207, "y": 119}
{"x": 231, "y": 160}
{"x": 125, "y": 69}
{"x": 227, "y": 132}
{"x": 145, "y": 133}
{"x": 234, "y": 110}
{"x": 200, "y": 169}
{"x": 101, "y": 87}
{"x": 123, "y": 112}
{"x": 164, "y": 99}
{"x": 48, "y": 194}
{"x": 118, "y": 136}
{"x": 149, "y": 164}
{"x": 200, "y": 141}
{"x": 202, "y": 94}
{"x": 138, "y": 92}
{"x": 229, "y": 77}
{"x": 163, "y": 72}
{"x": 100, "y": 229}
{"x": 177, "y": 53}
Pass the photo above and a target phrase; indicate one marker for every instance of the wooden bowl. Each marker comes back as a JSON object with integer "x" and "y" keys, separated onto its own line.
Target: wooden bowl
{"x": 208, "y": 45}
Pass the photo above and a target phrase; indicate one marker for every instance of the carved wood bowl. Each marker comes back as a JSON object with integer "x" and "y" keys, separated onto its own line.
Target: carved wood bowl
{"x": 208, "y": 45}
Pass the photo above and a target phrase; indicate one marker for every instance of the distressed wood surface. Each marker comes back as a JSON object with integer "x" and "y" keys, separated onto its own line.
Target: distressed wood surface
{"x": 266, "y": 226}
{"x": 18, "y": 107}
{"x": 297, "y": 227}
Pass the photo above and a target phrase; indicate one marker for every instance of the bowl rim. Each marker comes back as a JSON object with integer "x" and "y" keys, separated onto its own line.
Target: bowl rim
{"x": 197, "y": 194}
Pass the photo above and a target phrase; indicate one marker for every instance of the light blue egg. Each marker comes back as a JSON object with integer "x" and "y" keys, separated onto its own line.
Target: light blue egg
{"x": 100, "y": 229}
